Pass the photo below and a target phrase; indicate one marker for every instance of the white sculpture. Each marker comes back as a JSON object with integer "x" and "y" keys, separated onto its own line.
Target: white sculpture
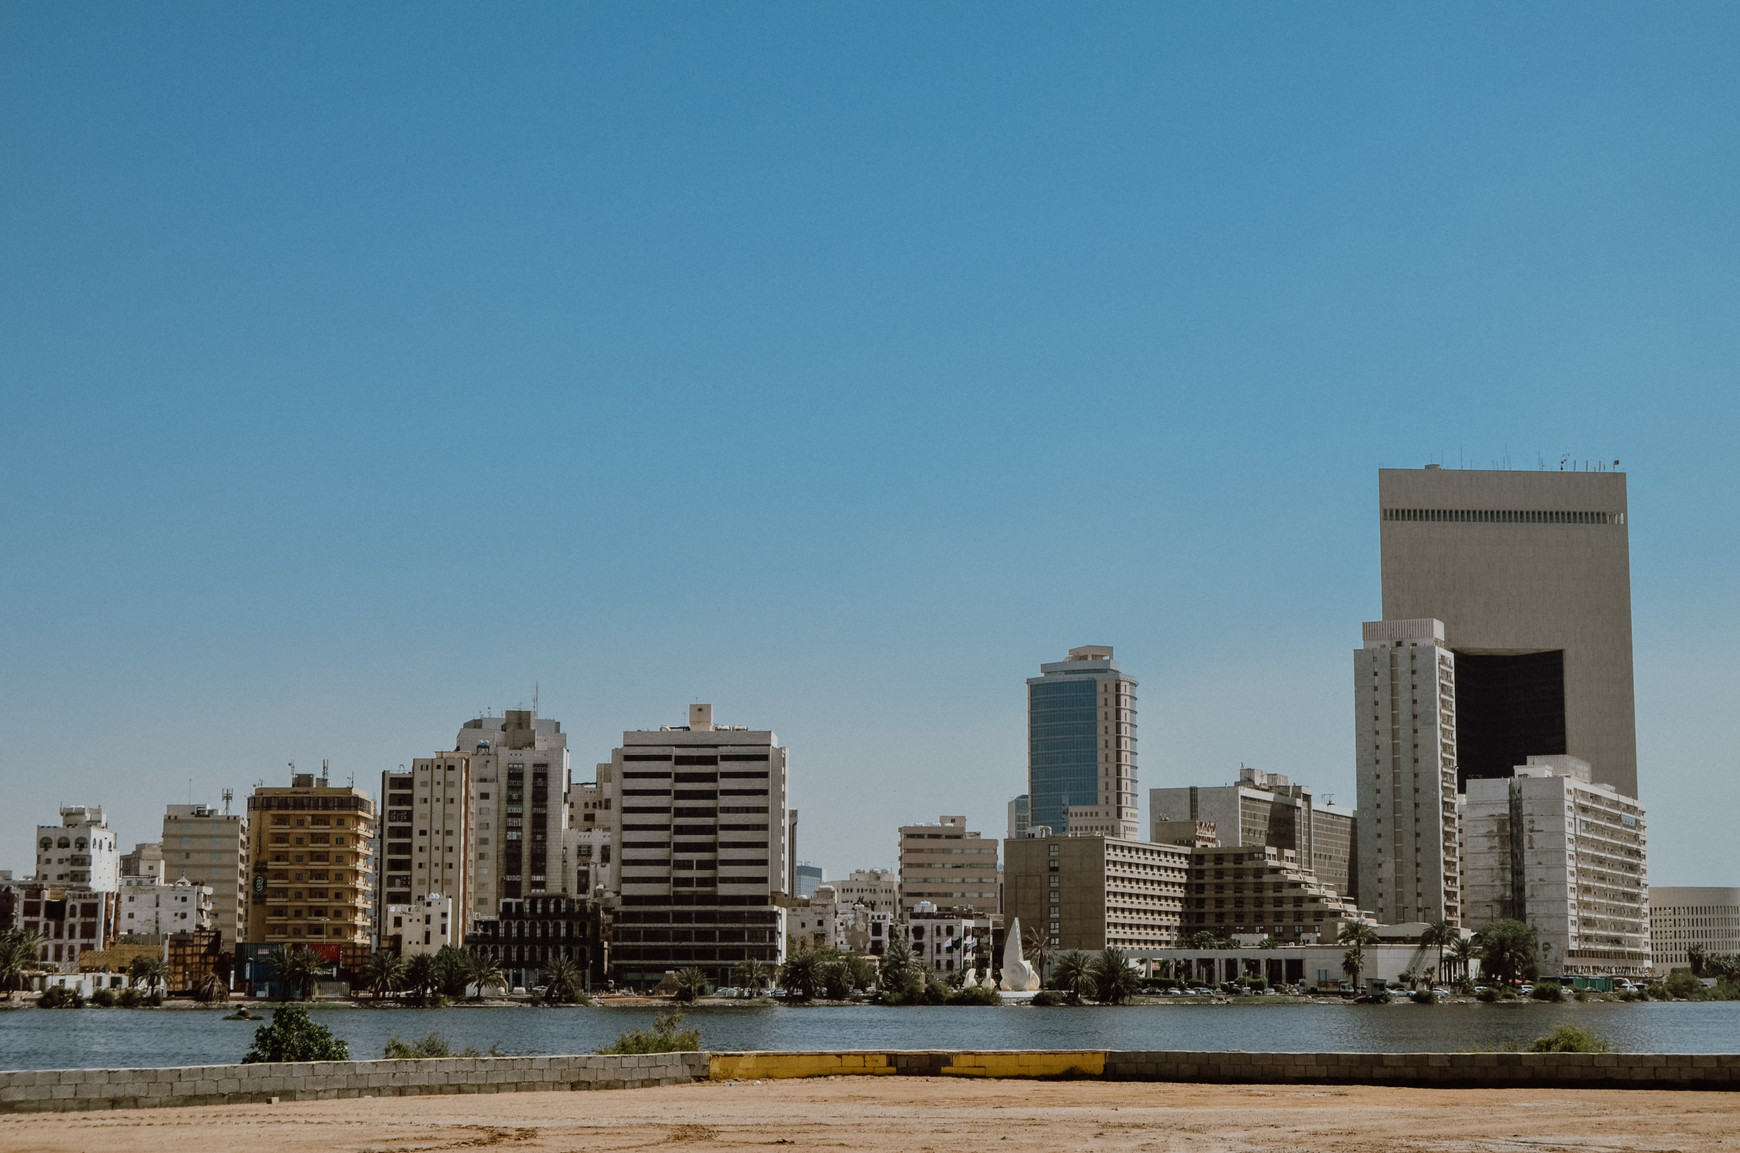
{"x": 1018, "y": 975}
{"x": 971, "y": 981}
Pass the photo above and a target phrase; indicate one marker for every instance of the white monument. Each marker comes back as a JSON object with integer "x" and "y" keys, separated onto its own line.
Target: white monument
{"x": 1018, "y": 975}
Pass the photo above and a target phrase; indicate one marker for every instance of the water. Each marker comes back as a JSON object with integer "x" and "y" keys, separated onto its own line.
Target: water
{"x": 119, "y": 1038}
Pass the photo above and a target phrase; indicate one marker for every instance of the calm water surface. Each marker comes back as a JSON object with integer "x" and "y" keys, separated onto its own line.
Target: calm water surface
{"x": 118, "y": 1038}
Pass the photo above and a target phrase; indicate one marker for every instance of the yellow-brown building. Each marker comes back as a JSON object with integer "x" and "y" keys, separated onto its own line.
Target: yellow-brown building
{"x": 312, "y": 879}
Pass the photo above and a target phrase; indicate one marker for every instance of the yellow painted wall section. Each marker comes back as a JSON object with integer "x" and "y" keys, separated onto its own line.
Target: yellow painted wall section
{"x": 1030, "y": 1063}
{"x": 766, "y": 1066}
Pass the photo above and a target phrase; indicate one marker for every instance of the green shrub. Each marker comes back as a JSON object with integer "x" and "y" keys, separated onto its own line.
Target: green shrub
{"x": 434, "y": 1045}
{"x": 1046, "y": 998}
{"x": 663, "y": 1037}
{"x": 103, "y": 998}
{"x": 1486, "y": 993}
{"x": 292, "y": 1036}
{"x": 60, "y": 997}
{"x": 1548, "y": 992}
{"x": 1570, "y": 1039}
{"x": 1682, "y": 985}
{"x": 1424, "y": 997}
{"x": 1658, "y": 992}
{"x": 979, "y": 995}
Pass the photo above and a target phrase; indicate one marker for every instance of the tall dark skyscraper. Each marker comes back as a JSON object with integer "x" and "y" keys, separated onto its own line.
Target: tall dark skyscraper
{"x": 1081, "y": 746}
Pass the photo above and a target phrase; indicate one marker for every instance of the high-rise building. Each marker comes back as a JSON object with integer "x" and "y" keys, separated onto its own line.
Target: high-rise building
{"x": 519, "y": 808}
{"x": 1568, "y": 856}
{"x": 1088, "y": 892}
{"x": 427, "y": 837}
{"x": 1683, "y": 917}
{"x": 210, "y": 847}
{"x": 1081, "y": 746}
{"x": 1531, "y": 574}
{"x": 1268, "y": 809}
{"x": 700, "y": 828}
{"x": 1020, "y": 814}
{"x": 807, "y": 879}
{"x": 953, "y": 869}
{"x": 1405, "y": 709}
{"x": 81, "y": 851}
{"x": 312, "y": 879}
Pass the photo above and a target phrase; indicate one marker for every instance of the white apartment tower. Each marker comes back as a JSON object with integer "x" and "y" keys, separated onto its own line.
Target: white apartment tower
{"x": 1405, "y": 736}
{"x": 700, "y": 830}
{"x": 209, "y": 847}
{"x": 1568, "y": 857}
{"x": 427, "y": 840}
{"x": 81, "y": 851}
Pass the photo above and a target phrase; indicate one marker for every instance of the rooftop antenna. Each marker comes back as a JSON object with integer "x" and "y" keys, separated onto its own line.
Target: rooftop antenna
{"x": 229, "y": 795}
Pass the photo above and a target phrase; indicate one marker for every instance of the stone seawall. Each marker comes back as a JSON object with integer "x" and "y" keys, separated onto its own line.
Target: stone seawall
{"x": 66, "y": 1090}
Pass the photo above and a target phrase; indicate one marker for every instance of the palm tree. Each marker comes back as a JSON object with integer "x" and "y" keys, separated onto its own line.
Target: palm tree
{"x": 900, "y": 969}
{"x": 210, "y": 986}
{"x": 1114, "y": 982}
{"x": 1036, "y": 945}
{"x": 421, "y": 977}
{"x": 383, "y": 972}
{"x": 562, "y": 980}
{"x": 486, "y": 973}
{"x": 1201, "y": 939}
{"x": 1462, "y": 951}
{"x": 1356, "y": 935}
{"x": 692, "y": 985}
{"x": 1072, "y": 974}
{"x": 148, "y": 971}
{"x": 754, "y": 975}
{"x": 17, "y": 959}
{"x": 453, "y": 969}
{"x": 1439, "y": 934}
{"x": 802, "y": 976}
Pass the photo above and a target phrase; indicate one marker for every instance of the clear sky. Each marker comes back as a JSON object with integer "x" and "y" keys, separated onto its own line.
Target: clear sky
{"x": 362, "y": 366}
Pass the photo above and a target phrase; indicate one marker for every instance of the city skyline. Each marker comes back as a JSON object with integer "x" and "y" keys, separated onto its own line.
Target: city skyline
{"x": 364, "y": 371}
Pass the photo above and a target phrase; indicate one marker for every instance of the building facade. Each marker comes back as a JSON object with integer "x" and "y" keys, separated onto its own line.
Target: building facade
{"x": 1081, "y": 746}
{"x": 146, "y": 860}
{"x": 529, "y": 933}
{"x": 1683, "y": 917}
{"x": 1260, "y": 891}
{"x": 427, "y": 840}
{"x": 81, "y": 851}
{"x": 1405, "y": 740}
{"x": 68, "y": 920}
{"x": 1268, "y": 809}
{"x": 423, "y": 926}
{"x": 519, "y": 808}
{"x": 312, "y": 876}
{"x": 1531, "y": 574}
{"x": 700, "y": 831}
{"x": 149, "y": 907}
{"x": 1568, "y": 856}
{"x": 949, "y": 867}
{"x": 1092, "y": 891}
{"x": 876, "y": 889}
{"x": 210, "y": 848}
{"x": 1020, "y": 817}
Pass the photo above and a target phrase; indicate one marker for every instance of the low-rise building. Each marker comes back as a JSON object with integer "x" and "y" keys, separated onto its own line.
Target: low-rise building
{"x": 148, "y": 907}
{"x": 1093, "y": 891}
{"x": 68, "y": 920}
{"x": 1551, "y": 848}
{"x": 531, "y": 931}
{"x": 425, "y": 926}
{"x": 1681, "y": 918}
{"x": 947, "y": 941}
{"x": 876, "y": 889}
{"x": 1263, "y": 892}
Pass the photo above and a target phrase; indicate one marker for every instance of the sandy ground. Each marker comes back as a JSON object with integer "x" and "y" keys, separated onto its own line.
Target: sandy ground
{"x": 918, "y": 1115}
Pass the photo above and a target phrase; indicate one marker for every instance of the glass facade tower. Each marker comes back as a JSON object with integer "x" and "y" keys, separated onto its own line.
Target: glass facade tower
{"x": 1081, "y": 745}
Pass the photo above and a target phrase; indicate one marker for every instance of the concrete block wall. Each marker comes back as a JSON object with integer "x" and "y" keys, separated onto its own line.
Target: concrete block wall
{"x": 65, "y": 1090}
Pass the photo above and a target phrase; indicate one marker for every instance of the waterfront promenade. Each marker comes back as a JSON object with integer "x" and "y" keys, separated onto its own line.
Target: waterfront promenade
{"x": 907, "y": 1115}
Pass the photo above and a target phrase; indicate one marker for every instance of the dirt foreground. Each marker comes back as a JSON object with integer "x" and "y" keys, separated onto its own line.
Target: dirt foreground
{"x": 911, "y": 1115}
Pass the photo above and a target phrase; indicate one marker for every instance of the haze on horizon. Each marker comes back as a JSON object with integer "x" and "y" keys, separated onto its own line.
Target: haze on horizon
{"x": 362, "y": 369}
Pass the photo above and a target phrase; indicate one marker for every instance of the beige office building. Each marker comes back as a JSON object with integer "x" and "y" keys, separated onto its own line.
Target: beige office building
{"x": 312, "y": 877}
{"x": 1091, "y": 892}
{"x": 210, "y": 847}
{"x": 1681, "y": 917}
{"x": 1551, "y": 848}
{"x": 945, "y": 864}
{"x": 1405, "y": 746}
{"x": 427, "y": 840}
{"x": 1531, "y": 574}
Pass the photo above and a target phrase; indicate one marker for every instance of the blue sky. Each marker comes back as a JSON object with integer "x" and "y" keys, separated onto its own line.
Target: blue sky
{"x": 362, "y": 367}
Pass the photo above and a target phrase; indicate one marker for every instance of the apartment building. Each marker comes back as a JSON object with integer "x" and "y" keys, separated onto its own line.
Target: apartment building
{"x": 145, "y": 860}
{"x": 1680, "y": 918}
{"x": 876, "y": 889}
{"x": 149, "y": 907}
{"x": 948, "y": 866}
{"x": 68, "y": 920}
{"x": 1567, "y": 855}
{"x": 1262, "y": 891}
{"x": 1081, "y": 746}
{"x": 1089, "y": 892}
{"x": 1405, "y": 739}
{"x": 519, "y": 808}
{"x": 423, "y": 926}
{"x": 312, "y": 878}
{"x": 700, "y": 831}
{"x": 210, "y": 847}
{"x": 428, "y": 841}
{"x": 1268, "y": 809}
{"x": 81, "y": 851}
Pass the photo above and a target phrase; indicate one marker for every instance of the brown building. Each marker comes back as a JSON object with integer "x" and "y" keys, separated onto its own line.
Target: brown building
{"x": 68, "y": 920}
{"x": 1261, "y": 891}
{"x": 310, "y": 845}
{"x": 1091, "y": 892}
{"x": 953, "y": 869}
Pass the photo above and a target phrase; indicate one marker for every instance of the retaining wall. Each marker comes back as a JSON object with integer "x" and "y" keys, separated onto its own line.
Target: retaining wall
{"x": 67, "y": 1090}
